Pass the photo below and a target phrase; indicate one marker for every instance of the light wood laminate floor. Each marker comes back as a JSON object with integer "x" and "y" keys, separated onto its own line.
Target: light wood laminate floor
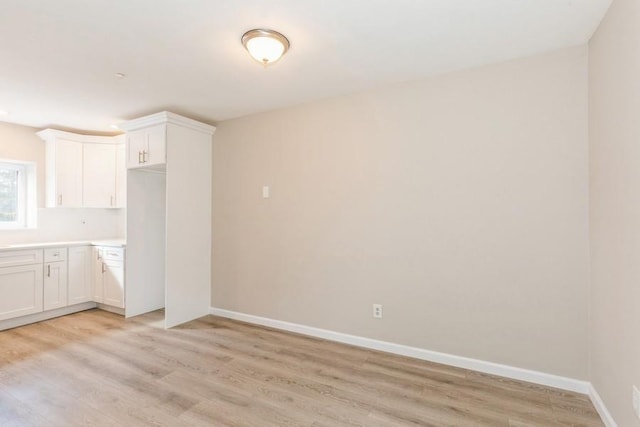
{"x": 96, "y": 369}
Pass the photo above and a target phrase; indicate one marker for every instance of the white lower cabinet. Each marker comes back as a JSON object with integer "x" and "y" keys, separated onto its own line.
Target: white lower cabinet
{"x": 21, "y": 290}
{"x": 37, "y": 280}
{"x": 55, "y": 278}
{"x": 55, "y": 285}
{"x": 114, "y": 283}
{"x": 80, "y": 285}
{"x": 109, "y": 276}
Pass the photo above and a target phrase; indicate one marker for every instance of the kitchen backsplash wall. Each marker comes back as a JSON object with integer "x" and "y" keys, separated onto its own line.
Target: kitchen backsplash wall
{"x": 60, "y": 224}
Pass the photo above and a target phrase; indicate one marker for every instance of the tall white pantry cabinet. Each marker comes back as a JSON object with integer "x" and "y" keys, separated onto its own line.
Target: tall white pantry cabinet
{"x": 168, "y": 256}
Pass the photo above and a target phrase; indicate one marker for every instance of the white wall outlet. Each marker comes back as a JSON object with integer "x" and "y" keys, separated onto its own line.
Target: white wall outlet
{"x": 636, "y": 401}
{"x": 265, "y": 192}
{"x": 377, "y": 311}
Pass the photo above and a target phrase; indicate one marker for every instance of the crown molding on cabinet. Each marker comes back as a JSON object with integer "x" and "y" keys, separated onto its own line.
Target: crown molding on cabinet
{"x": 167, "y": 117}
{"x": 50, "y": 134}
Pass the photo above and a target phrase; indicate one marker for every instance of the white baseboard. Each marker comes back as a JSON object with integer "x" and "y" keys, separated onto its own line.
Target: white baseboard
{"x": 45, "y": 315}
{"x": 604, "y": 413}
{"x": 521, "y": 374}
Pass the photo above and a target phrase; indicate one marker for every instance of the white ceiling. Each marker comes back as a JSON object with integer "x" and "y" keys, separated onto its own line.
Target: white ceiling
{"x": 58, "y": 58}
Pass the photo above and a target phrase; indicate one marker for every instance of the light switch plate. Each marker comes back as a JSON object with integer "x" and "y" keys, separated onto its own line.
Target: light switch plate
{"x": 265, "y": 192}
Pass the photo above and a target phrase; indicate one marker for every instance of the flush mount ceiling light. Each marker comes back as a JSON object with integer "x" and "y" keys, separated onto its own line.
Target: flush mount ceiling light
{"x": 265, "y": 46}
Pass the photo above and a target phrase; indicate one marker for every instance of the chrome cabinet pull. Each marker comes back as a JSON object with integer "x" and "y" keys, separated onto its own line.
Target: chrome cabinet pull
{"x": 111, "y": 201}
{"x": 140, "y": 157}
{"x": 60, "y": 200}
{"x": 103, "y": 269}
{"x": 49, "y": 270}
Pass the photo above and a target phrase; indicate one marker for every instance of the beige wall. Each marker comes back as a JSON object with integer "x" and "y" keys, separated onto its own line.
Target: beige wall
{"x": 21, "y": 143}
{"x": 458, "y": 202}
{"x": 614, "y": 86}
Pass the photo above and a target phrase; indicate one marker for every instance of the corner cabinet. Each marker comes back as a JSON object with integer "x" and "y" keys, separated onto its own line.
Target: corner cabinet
{"x": 80, "y": 284}
{"x": 84, "y": 170}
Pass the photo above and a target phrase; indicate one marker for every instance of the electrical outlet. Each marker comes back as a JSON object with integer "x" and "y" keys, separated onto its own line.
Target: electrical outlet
{"x": 377, "y": 311}
{"x": 636, "y": 401}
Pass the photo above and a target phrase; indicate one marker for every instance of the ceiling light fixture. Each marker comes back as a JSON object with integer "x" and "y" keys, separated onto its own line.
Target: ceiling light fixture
{"x": 265, "y": 46}
{"x": 3, "y": 113}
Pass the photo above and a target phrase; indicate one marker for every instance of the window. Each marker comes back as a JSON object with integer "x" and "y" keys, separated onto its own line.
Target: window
{"x": 17, "y": 194}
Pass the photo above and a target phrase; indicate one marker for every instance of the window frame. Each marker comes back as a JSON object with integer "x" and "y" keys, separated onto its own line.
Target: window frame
{"x": 26, "y": 194}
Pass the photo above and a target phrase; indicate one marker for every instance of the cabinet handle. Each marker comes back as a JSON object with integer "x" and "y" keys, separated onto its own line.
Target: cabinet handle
{"x": 111, "y": 201}
{"x": 49, "y": 270}
{"x": 103, "y": 270}
{"x": 60, "y": 200}
{"x": 139, "y": 157}
{"x": 144, "y": 156}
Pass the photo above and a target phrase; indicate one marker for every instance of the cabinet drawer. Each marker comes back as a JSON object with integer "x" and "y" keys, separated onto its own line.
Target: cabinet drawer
{"x": 20, "y": 257}
{"x": 55, "y": 254}
{"x": 112, "y": 254}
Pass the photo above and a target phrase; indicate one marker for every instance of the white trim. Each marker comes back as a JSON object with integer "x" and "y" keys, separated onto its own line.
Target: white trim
{"x": 521, "y": 374}
{"x": 45, "y": 315}
{"x": 598, "y": 403}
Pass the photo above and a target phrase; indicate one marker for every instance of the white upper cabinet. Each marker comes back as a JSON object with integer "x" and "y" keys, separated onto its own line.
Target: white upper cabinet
{"x": 147, "y": 147}
{"x": 84, "y": 170}
{"x": 99, "y": 175}
{"x": 64, "y": 182}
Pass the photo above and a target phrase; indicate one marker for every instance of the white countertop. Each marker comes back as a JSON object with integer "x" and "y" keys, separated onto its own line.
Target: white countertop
{"x": 105, "y": 242}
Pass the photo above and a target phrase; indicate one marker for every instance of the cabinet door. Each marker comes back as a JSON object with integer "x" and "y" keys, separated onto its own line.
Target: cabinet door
{"x": 55, "y": 285}
{"x": 21, "y": 290}
{"x": 114, "y": 283}
{"x": 80, "y": 275}
{"x": 136, "y": 145}
{"x": 68, "y": 173}
{"x": 99, "y": 175}
{"x": 156, "y": 153}
{"x": 121, "y": 177}
{"x": 147, "y": 147}
{"x": 98, "y": 281}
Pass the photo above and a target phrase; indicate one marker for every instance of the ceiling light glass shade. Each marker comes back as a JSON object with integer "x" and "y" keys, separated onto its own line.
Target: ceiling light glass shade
{"x": 265, "y": 46}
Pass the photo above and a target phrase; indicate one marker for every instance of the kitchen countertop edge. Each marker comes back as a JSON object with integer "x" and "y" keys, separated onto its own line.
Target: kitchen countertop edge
{"x": 121, "y": 243}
